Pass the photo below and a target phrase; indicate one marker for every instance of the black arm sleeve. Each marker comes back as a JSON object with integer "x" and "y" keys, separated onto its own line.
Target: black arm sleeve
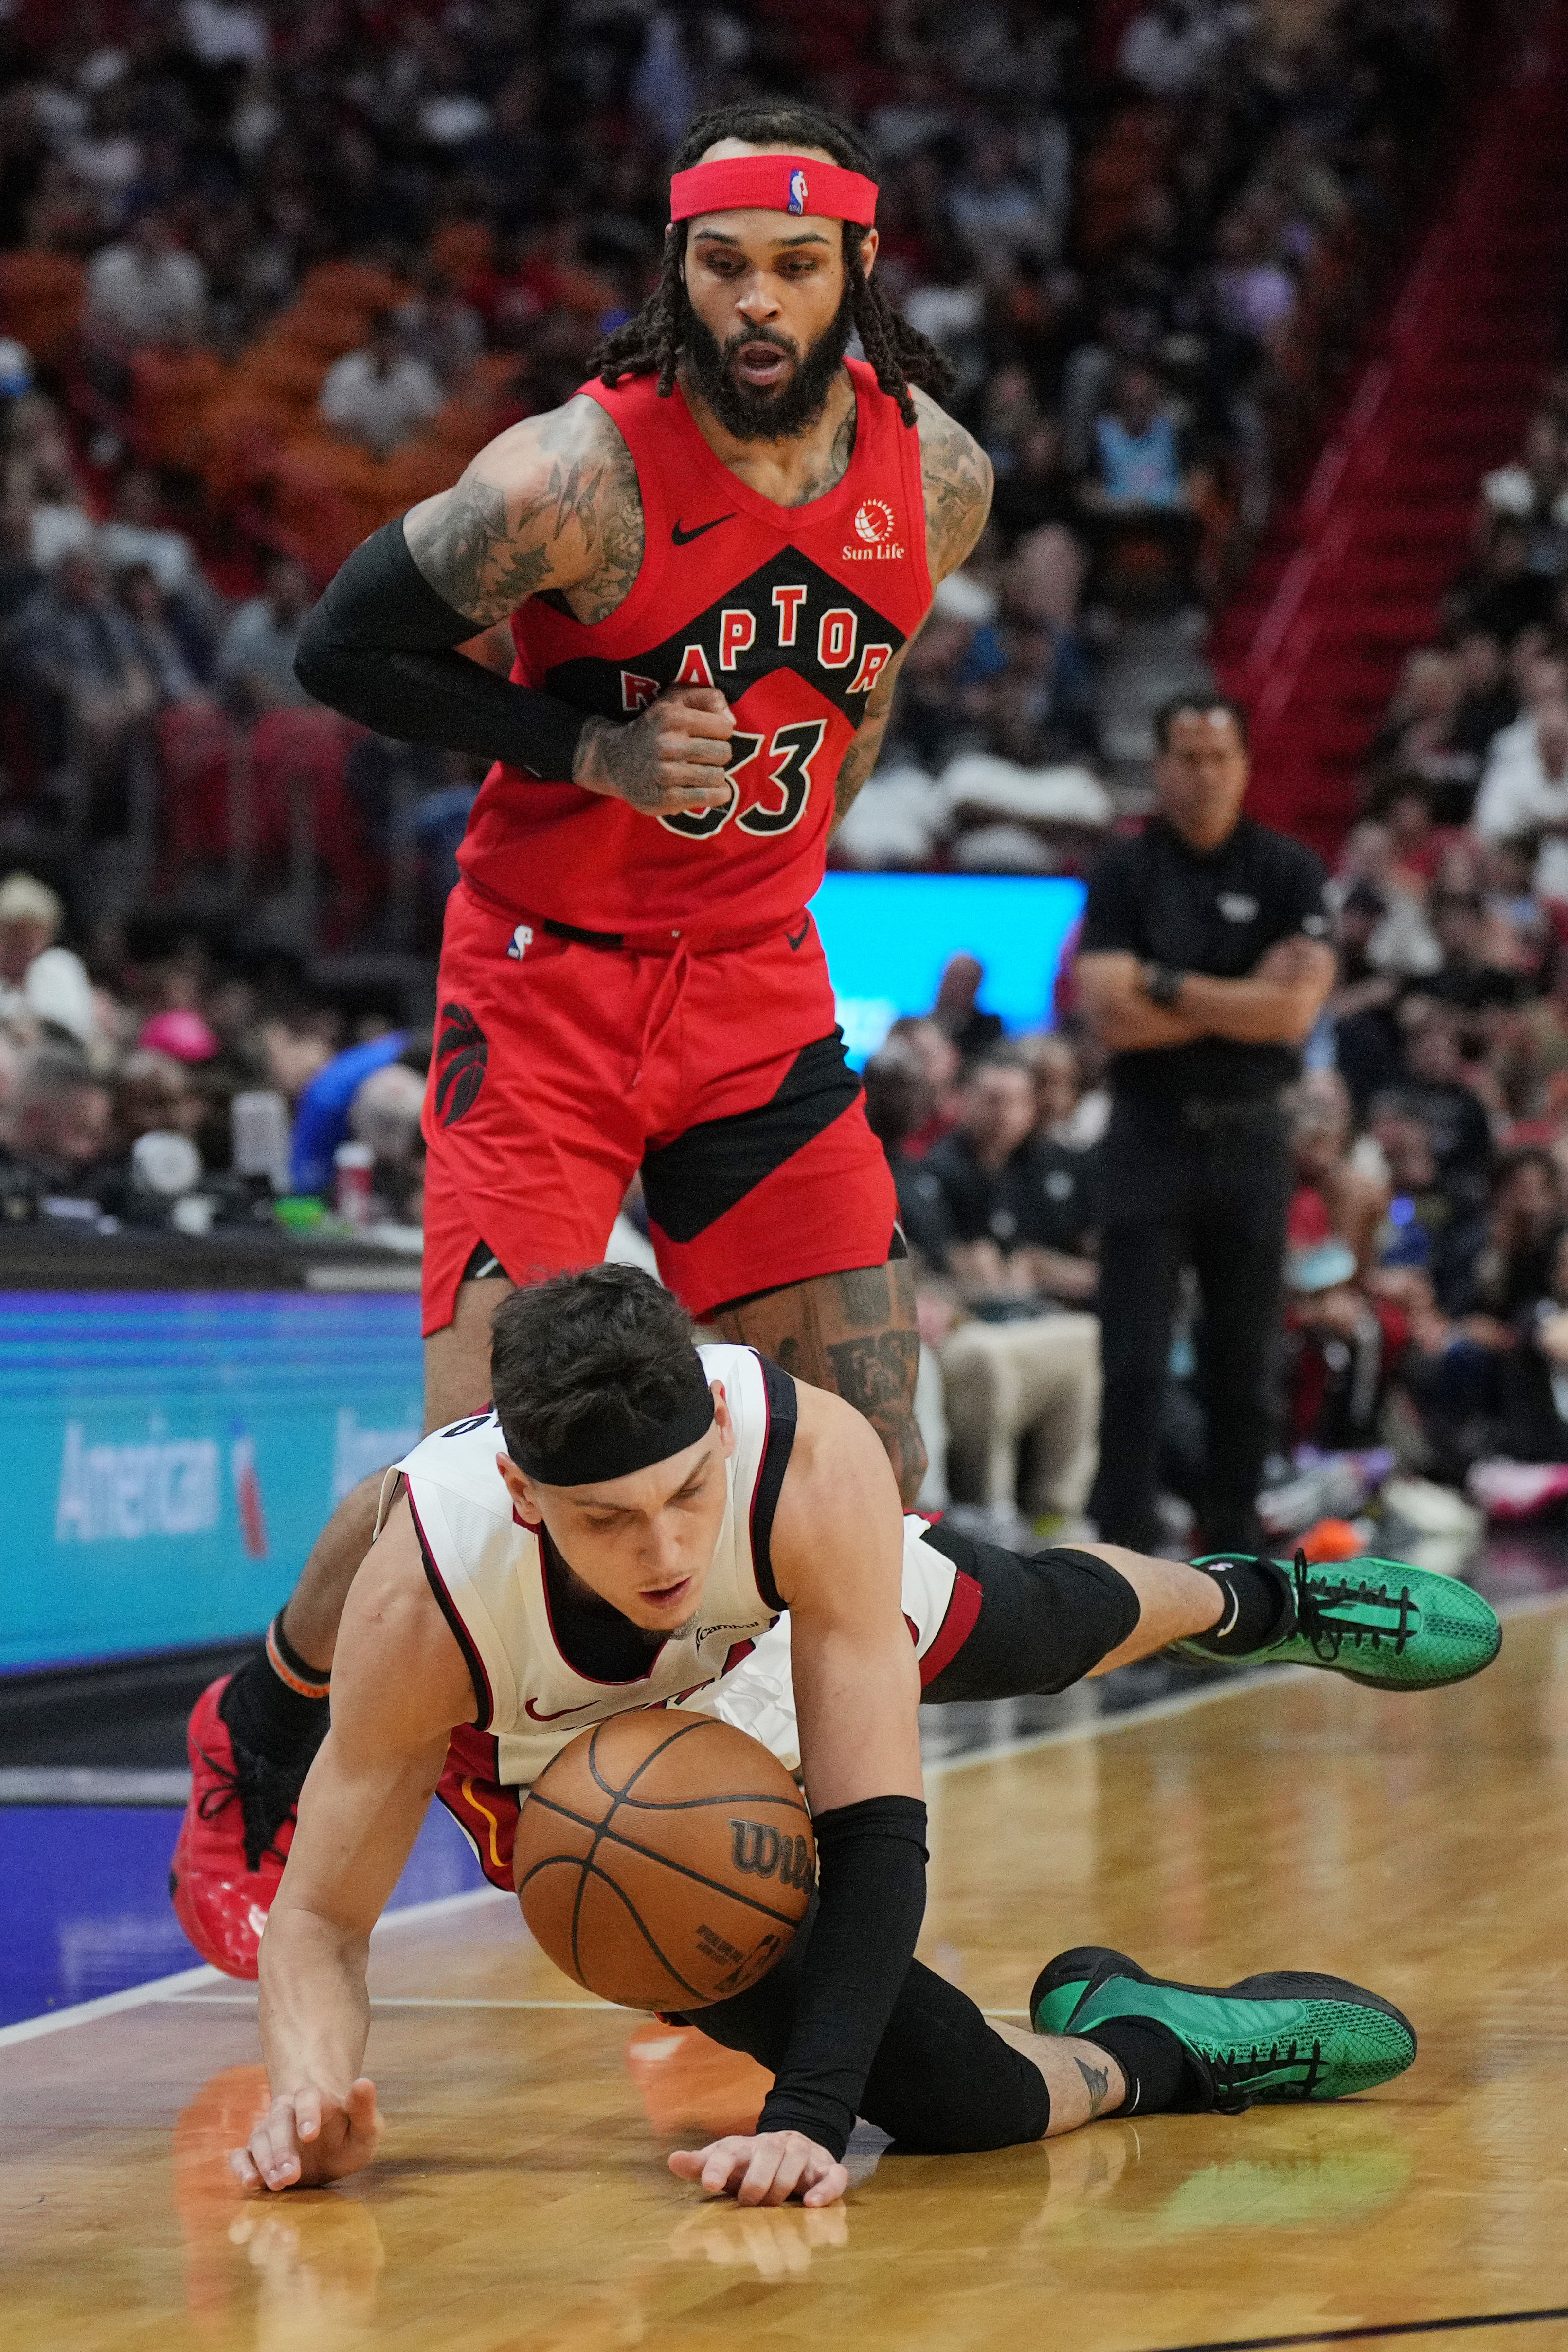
{"x": 871, "y": 1861}
{"x": 380, "y": 648}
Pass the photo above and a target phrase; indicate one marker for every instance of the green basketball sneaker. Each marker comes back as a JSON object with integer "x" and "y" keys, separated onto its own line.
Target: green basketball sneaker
{"x": 1393, "y": 1627}
{"x": 1270, "y": 2039}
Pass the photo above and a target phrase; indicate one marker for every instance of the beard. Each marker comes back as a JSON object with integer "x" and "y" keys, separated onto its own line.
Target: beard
{"x": 781, "y": 416}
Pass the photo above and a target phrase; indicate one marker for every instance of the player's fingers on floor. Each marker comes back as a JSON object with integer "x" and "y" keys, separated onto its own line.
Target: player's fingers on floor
{"x": 720, "y": 2162}
{"x": 273, "y": 2154}
{"x": 364, "y": 2115}
{"x": 829, "y": 2189}
{"x": 758, "y": 2184}
{"x": 306, "y": 2107}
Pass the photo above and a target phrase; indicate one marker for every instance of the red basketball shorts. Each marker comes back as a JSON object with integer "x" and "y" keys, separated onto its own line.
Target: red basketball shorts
{"x": 565, "y": 1061}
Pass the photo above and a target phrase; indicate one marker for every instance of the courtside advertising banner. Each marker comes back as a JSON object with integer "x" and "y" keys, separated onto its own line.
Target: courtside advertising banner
{"x": 172, "y": 1456}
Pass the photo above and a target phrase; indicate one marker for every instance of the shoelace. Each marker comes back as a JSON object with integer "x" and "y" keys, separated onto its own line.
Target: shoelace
{"x": 1232, "y": 2074}
{"x": 265, "y": 1793}
{"x": 1328, "y": 1633}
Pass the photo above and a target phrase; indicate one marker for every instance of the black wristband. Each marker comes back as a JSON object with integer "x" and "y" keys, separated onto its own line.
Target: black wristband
{"x": 380, "y": 647}
{"x": 872, "y": 1857}
{"x": 1162, "y": 984}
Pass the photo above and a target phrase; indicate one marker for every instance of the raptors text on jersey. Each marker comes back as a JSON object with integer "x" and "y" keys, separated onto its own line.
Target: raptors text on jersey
{"x": 792, "y": 613}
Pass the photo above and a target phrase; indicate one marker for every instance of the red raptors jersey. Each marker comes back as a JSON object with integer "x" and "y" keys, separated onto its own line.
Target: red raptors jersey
{"x": 792, "y": 611}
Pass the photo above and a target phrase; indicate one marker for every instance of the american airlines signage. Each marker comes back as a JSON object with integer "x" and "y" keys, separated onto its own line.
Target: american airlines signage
{"x": 118, "y": 1494}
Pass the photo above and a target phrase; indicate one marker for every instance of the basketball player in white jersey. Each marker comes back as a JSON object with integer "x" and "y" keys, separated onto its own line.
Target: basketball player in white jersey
{"x": 641, "y": 1522}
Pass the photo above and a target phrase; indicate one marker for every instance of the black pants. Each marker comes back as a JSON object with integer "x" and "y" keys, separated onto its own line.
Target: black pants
{"x": 1214, "y": 1198}
{"x": 942, "y": 2082}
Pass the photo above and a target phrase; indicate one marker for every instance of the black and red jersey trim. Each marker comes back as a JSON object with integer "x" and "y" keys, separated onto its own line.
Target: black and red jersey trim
{"x": 484, "y": 1697}
{"x": 778, "y": 1392}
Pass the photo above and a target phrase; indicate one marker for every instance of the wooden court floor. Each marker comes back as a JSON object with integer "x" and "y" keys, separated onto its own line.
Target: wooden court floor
{"x": 521, "y": 2203}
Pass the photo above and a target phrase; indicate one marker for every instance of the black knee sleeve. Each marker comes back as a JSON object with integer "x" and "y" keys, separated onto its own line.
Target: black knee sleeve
{"x": 942, "y": 2083}
{"x": 1044, "y": 1622}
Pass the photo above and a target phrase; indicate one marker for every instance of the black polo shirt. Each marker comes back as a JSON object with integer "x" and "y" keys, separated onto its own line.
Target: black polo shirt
{"x": 1045, "y": 1194}
{"x": 1158, "y": 899}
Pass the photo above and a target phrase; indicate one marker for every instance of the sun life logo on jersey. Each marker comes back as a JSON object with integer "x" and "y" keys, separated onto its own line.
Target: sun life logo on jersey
{"x": 797, "y": 192}
{"x": 877, "y": 527}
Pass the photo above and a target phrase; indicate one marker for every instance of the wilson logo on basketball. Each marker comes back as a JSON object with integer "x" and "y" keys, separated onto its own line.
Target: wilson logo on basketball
{"x": 762, "y": 1851}
{"x": 877, "y": 527}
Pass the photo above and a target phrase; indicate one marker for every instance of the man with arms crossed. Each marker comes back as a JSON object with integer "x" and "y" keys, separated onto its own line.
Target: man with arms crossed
{"x": 1203, "y": 964}
{"x": 713, "y": 558}
{"x": 633, "y": 1517}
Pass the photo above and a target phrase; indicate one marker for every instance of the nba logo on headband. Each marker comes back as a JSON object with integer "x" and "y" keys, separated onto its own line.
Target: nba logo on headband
{"x": 797, "y": 192}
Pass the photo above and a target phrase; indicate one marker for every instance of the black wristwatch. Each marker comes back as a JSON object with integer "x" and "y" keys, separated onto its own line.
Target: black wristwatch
{"x": 1162, "y": 984}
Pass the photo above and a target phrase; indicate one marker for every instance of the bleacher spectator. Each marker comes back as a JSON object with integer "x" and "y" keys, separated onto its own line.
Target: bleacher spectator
{"x": 156, "y": 643}
{"x": 382, "y": 393}
{"x": 146, "y": 289}
{"x": 255, "y": 664}
{"x": 1524, "y": 790}
{"x": 957, "y": 1011}
{"x": 55, "y": 1126}
{"x": 43, "y": 987}
{"x": 1018, "y": 1207}
{"x": 1014, "y": 1214}
{"x": 78, "y": 657}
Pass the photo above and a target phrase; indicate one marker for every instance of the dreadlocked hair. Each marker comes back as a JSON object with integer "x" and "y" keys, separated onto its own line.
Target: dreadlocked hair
{"x": 650, "y": 345}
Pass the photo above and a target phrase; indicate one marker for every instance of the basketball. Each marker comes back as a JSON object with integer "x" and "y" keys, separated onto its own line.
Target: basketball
{"x": 665, "y": 1862}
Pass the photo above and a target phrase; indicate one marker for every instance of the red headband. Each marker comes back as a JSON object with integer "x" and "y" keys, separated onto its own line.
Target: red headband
{"x": 774, "y": 184}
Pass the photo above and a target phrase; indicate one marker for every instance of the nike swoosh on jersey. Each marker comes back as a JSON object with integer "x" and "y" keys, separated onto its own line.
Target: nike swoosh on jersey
{"x": 540, "y": 1716}
{"x": 797, "y": 938}
{"x": 684, "y": 538}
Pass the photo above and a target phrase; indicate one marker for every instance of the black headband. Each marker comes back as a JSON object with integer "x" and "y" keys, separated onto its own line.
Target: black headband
{"x": 611, "y": 1440}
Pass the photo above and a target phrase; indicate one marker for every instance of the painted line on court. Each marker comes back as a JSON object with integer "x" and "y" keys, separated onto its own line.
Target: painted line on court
{"x": 406, "y": 2000}
{"x": 108, "y": 2004}
{"x": 200, "y": 1999}
{"x": 181, "y": 1985}
{"x": 1403, "y": 2327}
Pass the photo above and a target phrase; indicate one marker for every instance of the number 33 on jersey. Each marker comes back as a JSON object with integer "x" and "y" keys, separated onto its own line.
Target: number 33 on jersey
{"x": 792, "y": 613}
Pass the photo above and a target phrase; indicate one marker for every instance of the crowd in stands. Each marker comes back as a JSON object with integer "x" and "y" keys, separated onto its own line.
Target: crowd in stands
{"x": 1426, "y": 1280}
{"x": 166, "y": 1090}
{"x": 270, "y": 275}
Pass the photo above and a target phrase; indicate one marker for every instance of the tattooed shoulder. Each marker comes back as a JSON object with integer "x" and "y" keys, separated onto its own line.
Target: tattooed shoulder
{"x": 957, "y": 477}
{"x": 552, "y": 504}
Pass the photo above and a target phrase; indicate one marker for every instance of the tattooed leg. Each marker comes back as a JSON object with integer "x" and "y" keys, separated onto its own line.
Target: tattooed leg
{"x": 854, "y": 1333}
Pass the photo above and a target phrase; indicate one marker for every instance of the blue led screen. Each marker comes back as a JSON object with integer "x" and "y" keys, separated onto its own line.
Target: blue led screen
{"x": 888, "y": 937}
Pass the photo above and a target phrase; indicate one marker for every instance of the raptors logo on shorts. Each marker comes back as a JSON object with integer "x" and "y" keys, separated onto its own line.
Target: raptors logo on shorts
{"x": 462, "y": 1050}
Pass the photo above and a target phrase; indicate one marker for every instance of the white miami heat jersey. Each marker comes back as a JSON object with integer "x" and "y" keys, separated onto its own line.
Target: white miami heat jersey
{"x": 484, "y": 1567}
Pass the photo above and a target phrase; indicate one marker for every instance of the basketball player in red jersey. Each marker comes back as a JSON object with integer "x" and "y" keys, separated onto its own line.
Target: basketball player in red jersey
{"x": 713, "y": 558}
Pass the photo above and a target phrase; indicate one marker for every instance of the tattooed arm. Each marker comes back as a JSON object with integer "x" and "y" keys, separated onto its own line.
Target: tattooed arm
{"x": 957, "y": 474}
{"x": 958, "y": 480}
{"x": 861, "y": 756}
{"x": 551, "y": 505}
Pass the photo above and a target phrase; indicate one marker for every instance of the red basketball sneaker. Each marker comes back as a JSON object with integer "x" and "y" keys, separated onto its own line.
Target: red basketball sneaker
{"x": 234, "y": 1842}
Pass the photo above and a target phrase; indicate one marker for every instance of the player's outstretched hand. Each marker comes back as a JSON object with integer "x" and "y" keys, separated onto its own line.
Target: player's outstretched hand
{"x": 667, "y": 761}
{"x": 764, "y": 2168}
{"x": 311, "y": 2136}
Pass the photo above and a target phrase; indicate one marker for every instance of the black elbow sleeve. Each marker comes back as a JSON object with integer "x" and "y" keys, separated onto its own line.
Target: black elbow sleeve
{"x": 381, "y": 647}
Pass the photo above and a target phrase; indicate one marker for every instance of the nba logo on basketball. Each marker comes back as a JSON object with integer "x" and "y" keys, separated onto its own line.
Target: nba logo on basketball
{"x": 797, "y": 192}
